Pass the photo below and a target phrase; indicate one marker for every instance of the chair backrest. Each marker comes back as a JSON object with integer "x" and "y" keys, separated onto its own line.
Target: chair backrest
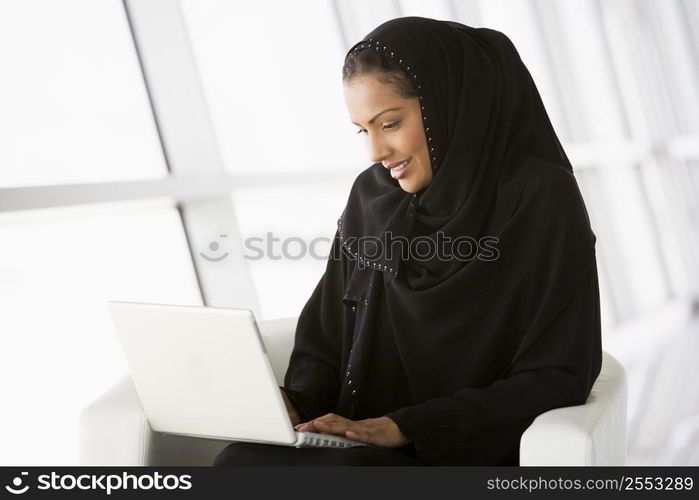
{"x": 278, "y": 336}
{"x": 593, "y": 433}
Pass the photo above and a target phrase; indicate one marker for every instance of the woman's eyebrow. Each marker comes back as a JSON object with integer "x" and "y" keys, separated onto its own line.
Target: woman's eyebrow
{"x": 384, "y": 111}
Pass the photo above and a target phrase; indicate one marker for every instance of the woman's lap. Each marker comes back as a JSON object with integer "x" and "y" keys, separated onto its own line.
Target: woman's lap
{"x": 240, "y": 453}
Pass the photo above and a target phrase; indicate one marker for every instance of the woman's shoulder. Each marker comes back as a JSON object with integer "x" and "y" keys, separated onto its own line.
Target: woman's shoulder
{"x": 548, "y": 186}
{"x": 545, "y": 177}
{"x": 552, "y": 195}
{"x": 550, "y": 191}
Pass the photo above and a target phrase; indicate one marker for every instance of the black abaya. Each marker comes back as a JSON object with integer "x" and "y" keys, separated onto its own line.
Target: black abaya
{"x": 475, "y": 423}
{"x": 461, "y": 353}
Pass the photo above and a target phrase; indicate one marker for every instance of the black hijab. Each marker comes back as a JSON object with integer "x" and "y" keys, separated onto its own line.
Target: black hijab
{"x": 464, "y": 326}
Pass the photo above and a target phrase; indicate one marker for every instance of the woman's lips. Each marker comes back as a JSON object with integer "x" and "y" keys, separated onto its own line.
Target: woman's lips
{"x": 398, "y": 172}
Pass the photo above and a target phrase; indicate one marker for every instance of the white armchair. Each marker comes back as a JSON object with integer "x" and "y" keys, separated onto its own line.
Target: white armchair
{"x": 114, "y": 429}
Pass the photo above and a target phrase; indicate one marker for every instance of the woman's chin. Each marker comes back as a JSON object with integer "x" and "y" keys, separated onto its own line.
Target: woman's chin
{"x": 410, "y": 185}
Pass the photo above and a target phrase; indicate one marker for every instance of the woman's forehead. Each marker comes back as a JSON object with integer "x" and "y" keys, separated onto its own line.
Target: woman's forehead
{"x": 368, "y": 89}
{"x": 367, "y": 105}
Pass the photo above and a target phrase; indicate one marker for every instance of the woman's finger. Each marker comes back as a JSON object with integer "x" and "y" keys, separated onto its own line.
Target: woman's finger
{"x": 311, "y": 426}
{"x": 337, "y": 427}
{"x": 329, "y": 423}
{"x": 370, "y": 431}
{"x": 305, "y": 427}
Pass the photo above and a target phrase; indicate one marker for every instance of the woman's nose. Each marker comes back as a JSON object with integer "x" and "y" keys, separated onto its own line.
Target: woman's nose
{"x": 378, "y": 149}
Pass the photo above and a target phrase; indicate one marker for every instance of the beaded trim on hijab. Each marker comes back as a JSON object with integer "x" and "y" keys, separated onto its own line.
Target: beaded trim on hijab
{"x": 404, "y": 64}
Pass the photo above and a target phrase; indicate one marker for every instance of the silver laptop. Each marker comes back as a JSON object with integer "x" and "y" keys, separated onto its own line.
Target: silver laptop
{"x": 204, "y": 372}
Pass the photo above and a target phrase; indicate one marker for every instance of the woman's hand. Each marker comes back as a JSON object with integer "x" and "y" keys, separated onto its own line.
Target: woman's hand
{"x": 381, "y": 431}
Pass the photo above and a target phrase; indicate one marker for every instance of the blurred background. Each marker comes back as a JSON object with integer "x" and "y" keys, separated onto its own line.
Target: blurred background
{"x": 145, "y": 144}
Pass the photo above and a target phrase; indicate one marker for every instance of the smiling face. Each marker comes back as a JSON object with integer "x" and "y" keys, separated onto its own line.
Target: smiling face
{"x": 394, "y": 129}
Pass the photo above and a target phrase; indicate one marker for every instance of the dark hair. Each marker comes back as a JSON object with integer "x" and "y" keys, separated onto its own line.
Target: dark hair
{"x": 365, "y": 61}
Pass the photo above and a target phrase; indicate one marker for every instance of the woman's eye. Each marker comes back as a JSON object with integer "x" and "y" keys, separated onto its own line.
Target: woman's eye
{"x": 388, "y": 126}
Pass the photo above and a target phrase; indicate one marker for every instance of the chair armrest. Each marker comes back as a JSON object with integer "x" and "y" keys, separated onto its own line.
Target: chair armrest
{"x": 593, "y": 433}
{"x": 114, "y": 429}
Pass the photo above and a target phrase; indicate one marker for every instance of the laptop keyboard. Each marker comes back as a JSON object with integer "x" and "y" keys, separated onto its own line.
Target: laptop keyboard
{"x": 318, "y": 440}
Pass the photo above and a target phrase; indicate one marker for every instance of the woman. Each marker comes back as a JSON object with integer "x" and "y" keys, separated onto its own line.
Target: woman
{"x": 444, "y": 352}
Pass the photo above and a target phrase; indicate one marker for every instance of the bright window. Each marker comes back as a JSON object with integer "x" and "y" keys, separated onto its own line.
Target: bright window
{"x": 74, "y": 106}
{"x": 58, "y": 349}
